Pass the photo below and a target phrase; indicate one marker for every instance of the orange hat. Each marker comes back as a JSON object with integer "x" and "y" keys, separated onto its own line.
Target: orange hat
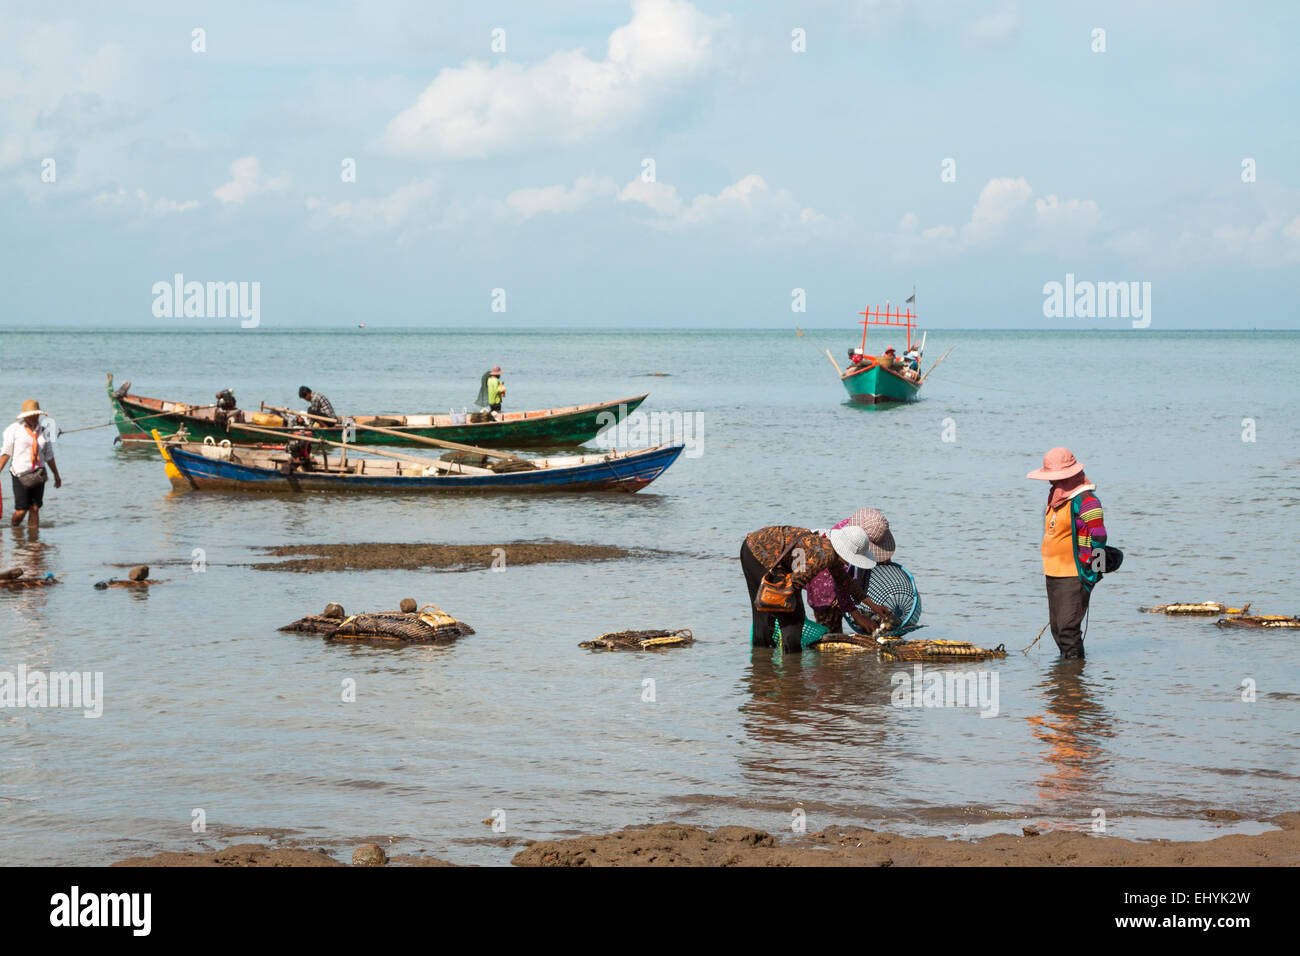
{"x": 1057, "y": 464}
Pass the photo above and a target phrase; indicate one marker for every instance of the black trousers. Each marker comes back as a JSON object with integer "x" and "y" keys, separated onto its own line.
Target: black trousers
{"x": 1067, "y": 603}
{"x": 765, "y": 623}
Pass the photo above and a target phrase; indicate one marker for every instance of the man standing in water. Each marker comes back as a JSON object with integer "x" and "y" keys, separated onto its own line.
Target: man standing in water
{"x": 28, "y": 449}
{"x": 1072, "y": 532}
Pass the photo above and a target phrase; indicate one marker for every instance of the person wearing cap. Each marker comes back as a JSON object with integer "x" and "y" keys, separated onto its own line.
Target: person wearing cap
{"x": 890, "y": 359}
{"x": 889, "y": 587}
{"x": 28, "y": 450}
{"x": 1072, "y": 531}
{"x": 807, "y": 553}
{"x": 320, "y": 405}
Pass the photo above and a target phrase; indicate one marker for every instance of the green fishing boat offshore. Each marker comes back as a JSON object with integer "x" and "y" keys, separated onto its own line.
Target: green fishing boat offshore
{"x": 885, "y": 378}
{"x": 137, "y": 416}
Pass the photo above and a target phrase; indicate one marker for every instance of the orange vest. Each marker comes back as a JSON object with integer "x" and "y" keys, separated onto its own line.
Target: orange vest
{"x": 1058, "y": 543}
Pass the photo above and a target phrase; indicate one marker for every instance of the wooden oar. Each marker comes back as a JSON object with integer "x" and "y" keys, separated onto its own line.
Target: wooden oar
{"x": 425, "y": 462}
{"x": 419, "y": 439}
{"x": 935, "y": 365}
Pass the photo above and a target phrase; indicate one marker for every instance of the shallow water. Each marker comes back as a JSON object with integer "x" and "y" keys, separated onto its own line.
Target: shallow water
{"x": 207, "y": 706}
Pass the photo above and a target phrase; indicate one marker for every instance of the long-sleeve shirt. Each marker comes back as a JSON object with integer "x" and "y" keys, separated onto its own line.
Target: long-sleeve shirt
{"x": 811, "y": 555}
{"x": 320, "y": 405}
{"x": 1060, "y": 537}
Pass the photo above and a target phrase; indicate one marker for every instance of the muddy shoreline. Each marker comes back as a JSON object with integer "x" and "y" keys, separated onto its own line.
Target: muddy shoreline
{"x": 399, "y": 556}
{"x": 675, "y": 844}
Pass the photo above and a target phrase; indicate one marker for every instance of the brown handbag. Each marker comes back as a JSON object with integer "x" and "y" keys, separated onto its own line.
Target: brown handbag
{"x": 776, "y": 592}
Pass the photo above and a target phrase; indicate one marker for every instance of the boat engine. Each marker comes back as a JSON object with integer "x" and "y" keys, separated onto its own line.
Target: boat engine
{"x": 299, "y": 451}
{"x": 226, "y": 409}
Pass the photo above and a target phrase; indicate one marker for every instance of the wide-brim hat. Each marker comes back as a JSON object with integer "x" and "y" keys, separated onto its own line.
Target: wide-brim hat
{"x": 30, "y": 407}
{"x": 1058, "y": 463}
{"x": 876, "y": 525}
{"x": 496, "y": 370}
{"x": 852, "y": 544}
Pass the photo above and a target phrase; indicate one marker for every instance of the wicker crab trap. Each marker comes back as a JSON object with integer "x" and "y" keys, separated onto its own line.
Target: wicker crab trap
{"x": 1260, "y": 620}
{"x": 640, "y": 640}
{"x": 16, "y": 579}
{"x": 429, "y": 625}
{"x": 1205, "y": 608}
{"x": 897, "y": 649}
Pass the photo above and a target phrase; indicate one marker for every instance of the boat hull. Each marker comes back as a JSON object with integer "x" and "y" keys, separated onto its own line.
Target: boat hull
{"x": 876, "y": 386}
{"x": 629, "y": 473}
{"x": 136, "y": 418}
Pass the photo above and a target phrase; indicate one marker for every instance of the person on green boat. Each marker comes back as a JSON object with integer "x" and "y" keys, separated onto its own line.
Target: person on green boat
{"x": 320, "y": 405}
{"x": 491, "y": 391}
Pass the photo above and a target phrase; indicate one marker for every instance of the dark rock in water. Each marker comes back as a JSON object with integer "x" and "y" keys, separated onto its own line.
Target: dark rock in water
{"x": 369, "y": 854}
{"x": 334, "y": 610}
{"x": 1030, "y": 831}
{"x": 103, "y": 585}
{"x": 13, "y": 574}
{"x": 408, "y": 605}
{"x": 139, "y": 573}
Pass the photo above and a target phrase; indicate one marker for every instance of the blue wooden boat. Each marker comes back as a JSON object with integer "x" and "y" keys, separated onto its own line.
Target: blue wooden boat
{"x": 269, "y": 468}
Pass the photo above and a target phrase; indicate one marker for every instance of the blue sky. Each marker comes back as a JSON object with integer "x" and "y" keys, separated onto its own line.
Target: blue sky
{"x": 774, "y": 169}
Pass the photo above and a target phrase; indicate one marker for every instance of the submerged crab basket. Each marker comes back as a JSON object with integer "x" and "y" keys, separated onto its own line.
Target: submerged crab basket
{"x": 22, "y": 584}
{"x": 1203, "y": 608}
{"x": 640, "y": 640}
{"x": 429, "y": 625}
{"x": 1260, "y": 620}
{"x": 939, "y": 651}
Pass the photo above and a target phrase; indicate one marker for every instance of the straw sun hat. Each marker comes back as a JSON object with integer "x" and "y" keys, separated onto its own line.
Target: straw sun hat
{"x": 31, "y": 407}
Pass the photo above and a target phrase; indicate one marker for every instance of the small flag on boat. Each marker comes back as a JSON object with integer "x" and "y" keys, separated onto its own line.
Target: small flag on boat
{"x": 910, "y": 299}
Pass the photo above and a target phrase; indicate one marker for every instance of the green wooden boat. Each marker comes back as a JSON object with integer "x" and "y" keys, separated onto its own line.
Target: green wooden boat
{"x": 882, "y": 379}
{"x": 136, "y": 416}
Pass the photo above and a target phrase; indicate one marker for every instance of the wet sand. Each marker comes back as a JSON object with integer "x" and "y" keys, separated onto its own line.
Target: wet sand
{"x": 398, "y": 556}
{"x": 672, "y": 844}
{"x": 675, "y": 844}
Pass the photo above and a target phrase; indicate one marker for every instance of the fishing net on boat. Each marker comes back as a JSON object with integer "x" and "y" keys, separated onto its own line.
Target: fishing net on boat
{"x": 939, "y": 651}
{"x": 640, "y": 640}
{"x": 499, "y": 465}
{"x": 428, "y": 625}
{"x": 1260, "y": 620}
{"x": 892, "y": 586}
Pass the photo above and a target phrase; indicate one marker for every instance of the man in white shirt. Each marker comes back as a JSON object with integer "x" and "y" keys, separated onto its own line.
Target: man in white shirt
{"x": 28, "y": 450}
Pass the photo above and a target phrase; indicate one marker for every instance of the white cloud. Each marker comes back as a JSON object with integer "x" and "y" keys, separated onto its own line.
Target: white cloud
{"x": 996, "y": 29}
{"x": 998, "y": 202}
{"x": 407, "y": 204}
{"x": 146, "y": 206}
{"x": 479, "y": 110}
{"x": 530, "y": 202}
{"x": 1292, "y": 229}
{"x": 1072, "y": 214}
{"x": 247, "y": 181}
{"x": 749, "y": 202}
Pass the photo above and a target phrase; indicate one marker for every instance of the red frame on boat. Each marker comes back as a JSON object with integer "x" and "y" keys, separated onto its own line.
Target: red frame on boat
{"x": 907, "y": 322}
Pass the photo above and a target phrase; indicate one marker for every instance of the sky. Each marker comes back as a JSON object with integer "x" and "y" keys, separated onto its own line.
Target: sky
{"x": 649, "y": 163}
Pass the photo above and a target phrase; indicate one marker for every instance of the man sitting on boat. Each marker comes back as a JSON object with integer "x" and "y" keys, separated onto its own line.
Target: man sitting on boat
{"x": 320, "y": 405}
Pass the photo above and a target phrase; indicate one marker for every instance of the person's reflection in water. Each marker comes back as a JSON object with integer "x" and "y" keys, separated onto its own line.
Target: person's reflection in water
{"x": 1072, "y": 728}
{"x": 812, "y": 718}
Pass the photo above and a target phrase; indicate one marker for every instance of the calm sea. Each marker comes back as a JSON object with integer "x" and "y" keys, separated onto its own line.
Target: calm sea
{"x": 208, "y": 707}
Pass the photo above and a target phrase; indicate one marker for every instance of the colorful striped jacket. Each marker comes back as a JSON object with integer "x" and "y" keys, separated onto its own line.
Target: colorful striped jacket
{"x": 1089, "y": 534}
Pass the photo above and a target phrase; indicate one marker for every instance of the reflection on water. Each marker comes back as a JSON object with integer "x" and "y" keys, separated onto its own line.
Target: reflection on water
{"x": 1072, "y": 730}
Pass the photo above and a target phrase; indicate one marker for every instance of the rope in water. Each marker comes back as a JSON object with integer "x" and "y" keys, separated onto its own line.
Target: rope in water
{"x": 86, "y": 428}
